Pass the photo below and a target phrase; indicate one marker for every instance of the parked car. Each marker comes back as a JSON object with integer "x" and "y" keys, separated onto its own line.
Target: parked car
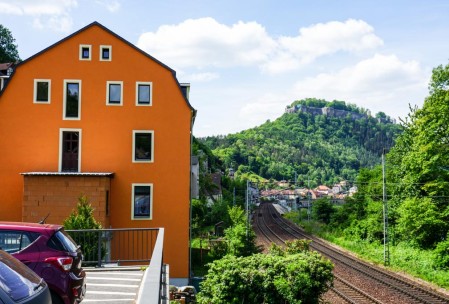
{"x": 51, "y": 253}
{"x": 19, "y": 284}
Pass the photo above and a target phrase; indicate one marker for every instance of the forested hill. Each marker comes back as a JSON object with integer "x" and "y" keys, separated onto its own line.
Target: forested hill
{"x": 316, "y": 140}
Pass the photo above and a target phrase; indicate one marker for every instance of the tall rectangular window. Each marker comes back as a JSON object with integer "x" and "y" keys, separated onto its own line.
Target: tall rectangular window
{"x": 105, "y": 53}
{"x": 72, "y": 99}
{"x": 142, "y": 197}
{"x": 42, "y": 90}
{"x": 70, "y": 147}
{"x": 143, "y": 146}
{"x": 114, "y": 92}
{"x": 85, "y": 52}
{"x": 143, "y": 93}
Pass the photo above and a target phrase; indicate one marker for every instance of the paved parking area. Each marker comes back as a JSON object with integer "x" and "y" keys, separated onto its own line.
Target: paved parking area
{"x": 112, "y": 286}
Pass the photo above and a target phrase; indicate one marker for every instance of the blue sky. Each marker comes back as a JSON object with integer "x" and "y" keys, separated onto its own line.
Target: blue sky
{"x": 247, "y": 60}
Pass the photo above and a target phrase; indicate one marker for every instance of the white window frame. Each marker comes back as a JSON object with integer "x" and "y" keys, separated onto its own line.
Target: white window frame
{"x": 61, "y": 132}
{"x": 134, "y": 146}
{"x": 81, "y": 52}
{"x": 137, "y": 93}
{"x": 150, "y": 217}
{"x": 108, "y": 103}
{"x": 101, "y": 52}
{"x": 35, "y": 91}
{"x": 64, "y": 97}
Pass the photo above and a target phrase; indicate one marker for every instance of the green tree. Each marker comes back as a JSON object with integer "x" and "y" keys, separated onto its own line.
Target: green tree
{"x": 322, "y": 210}
{"x": 419, "y": 221}
{"x": 240, "y": 236}
{"x": 8, "y": 48}
{"x": 82, "y": 218}
{"x": 419, "y": 164}
{"x": 421, "y": 158}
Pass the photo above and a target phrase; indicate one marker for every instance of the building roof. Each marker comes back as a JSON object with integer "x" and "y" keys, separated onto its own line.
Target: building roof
{"x": 4, "y": 68}
{"x": 95, "y": 23}
{"x": 100, "y": 174}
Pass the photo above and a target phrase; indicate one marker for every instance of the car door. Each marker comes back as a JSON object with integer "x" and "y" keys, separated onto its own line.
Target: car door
{"x": 21, "y": 245}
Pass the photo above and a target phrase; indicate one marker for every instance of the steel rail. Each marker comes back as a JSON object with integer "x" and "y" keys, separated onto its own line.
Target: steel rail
{"x": 345, "y": 290}
{"x": 414, "y": 291}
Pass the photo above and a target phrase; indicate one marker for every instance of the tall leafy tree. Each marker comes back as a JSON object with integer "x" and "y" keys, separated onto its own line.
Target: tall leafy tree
{"x": 323, "y": 210}
{"x": 421, "y": 157}
{"x": 420, "y": 165}
{"x": 420, "y": 222}
{"x": 240, "y": 237}
{"x": 8, "y": 48}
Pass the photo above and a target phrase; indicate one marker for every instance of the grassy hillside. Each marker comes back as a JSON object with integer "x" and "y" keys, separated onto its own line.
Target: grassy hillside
{"x": 322, "y": 148}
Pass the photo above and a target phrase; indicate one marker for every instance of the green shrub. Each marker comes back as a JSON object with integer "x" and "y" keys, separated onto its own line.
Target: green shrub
{"x": 442, "y": 254}
{"x": 278, "y": 277}
{"x": 82, "y": 218}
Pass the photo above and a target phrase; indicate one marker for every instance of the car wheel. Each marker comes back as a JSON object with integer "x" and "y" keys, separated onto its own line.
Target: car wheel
{"x": 56, "y": 299}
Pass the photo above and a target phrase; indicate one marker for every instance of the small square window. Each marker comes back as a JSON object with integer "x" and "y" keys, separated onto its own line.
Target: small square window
{"x": 143, "y": 93}
{"x": 105, "y": 53}
{"x": 142, "y": 201}
{"x": 114, "y": 93}
{"x": 143, "y": 146}
{"x": 85, "y": 52}
{"x": 42, "y": 90}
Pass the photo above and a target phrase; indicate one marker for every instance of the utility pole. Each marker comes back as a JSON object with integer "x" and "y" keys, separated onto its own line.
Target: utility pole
{"x": 233, "y": 197}
{"x": 308, "y": 198}
{"x": 247, "y": 207}
{"x": 385, "y": 215}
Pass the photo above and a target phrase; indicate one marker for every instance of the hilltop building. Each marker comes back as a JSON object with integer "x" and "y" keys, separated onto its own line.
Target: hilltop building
{"x": 332, "y": 112}
{"x": 327, "y": 111}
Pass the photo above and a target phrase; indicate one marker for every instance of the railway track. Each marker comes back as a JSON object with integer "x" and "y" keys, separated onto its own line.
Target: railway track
{"x": 274, "y": 228}
{"x": 343, "y": 289}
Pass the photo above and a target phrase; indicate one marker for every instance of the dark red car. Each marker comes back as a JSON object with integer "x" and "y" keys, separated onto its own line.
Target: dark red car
{"x": 51, "y": 253}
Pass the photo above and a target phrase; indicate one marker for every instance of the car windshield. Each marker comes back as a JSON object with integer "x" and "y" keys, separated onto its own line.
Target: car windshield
{"x": 62, "y": 241}
{"x": 16, "y": 279}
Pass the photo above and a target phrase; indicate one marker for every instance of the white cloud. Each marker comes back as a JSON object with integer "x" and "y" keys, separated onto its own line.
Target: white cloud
{"x": 46, "y": 13}
{"x": 10, "y": 9}
{"x": 266, "y": 107}
{"x": 325, "y": 38}
{"x": 204, "y": 42}
{"x": 202, "y": 77}
{"x": 380, "y": 83}
{"x": 322, "y": 39}
{"x": 112, "y": 6}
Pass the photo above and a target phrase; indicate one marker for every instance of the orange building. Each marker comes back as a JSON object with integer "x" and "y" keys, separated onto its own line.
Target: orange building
{"x": 94, "y": 115}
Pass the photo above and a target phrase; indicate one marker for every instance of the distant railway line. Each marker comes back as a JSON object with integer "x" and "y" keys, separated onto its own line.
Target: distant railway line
{"x": 355, "y": 281}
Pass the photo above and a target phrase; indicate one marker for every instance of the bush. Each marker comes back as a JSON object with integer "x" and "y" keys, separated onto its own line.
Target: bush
{"x": 323, "y": 210}
{"x": 283, "y": 276}
{"x": 420, "y": 221}
{"x": 442, "y": 254}
{"x": 82, "y": 218}
{"x": 240, "y": 236}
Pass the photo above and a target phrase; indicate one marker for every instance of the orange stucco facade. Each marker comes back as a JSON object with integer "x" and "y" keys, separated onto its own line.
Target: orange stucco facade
{"x": 31, "y": 139}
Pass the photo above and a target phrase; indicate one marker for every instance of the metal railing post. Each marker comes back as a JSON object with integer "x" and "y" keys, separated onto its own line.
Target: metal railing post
{"x": 99, "y": 248}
